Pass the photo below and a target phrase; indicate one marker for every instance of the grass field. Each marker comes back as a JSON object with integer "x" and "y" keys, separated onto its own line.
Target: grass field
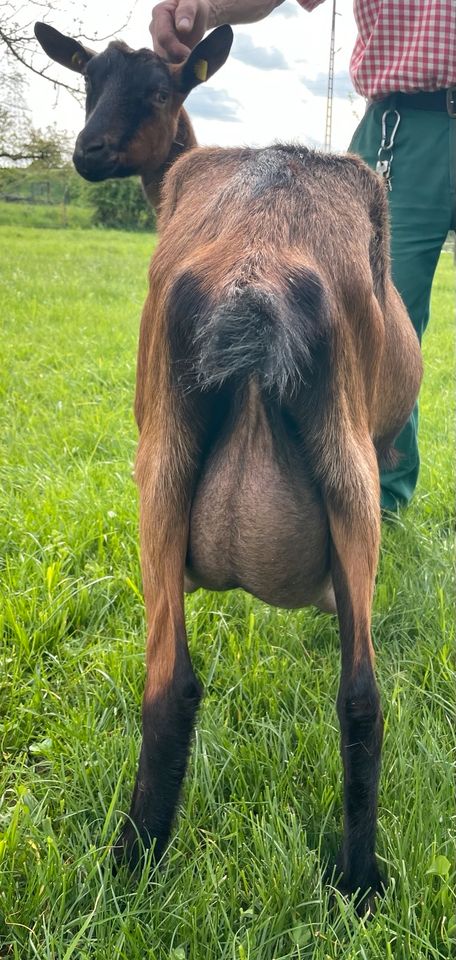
{"x": 44, "y": 215}
{"x": 261, "y": 810}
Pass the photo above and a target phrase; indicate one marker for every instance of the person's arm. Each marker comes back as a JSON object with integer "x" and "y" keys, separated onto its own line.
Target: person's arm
{"x": 178, "y": 25}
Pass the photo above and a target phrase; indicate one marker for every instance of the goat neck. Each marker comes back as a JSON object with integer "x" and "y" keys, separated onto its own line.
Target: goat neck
{"x": 183, "y": 141}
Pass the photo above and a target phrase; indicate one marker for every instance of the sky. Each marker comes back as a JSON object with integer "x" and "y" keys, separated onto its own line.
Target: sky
{"x": 273, "y": 86}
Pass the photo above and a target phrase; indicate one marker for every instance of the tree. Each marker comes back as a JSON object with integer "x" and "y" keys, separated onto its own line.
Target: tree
{"x": 19, "y": 141}
{"x": 49, "y": 148}
{"x": 21, "y": 144}
{"x": 14, "y": 118}
{"x": 18, "y": 44}
{"x": 18, "y": 41}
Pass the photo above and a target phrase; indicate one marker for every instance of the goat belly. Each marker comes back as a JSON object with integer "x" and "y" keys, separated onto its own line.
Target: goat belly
{"x": 257, "y": 522}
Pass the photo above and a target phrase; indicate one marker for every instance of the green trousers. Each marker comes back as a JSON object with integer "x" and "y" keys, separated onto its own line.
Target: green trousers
{"x": 423, "y": 210}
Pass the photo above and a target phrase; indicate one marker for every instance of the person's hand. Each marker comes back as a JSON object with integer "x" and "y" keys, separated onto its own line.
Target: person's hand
{"x": 177, "y": 26}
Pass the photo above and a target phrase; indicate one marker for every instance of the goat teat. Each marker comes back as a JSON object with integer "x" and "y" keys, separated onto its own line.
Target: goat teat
{"x": 133, "y": 100}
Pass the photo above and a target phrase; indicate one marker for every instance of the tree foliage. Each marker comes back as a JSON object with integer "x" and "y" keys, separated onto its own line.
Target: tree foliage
{"x": 49, "y": 148}
{"x": 121, "y": 204}
{"x": 20, "y": 143}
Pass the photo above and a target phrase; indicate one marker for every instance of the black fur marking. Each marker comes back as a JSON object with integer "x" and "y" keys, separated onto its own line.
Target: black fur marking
{"x": 267, "y": 169}
{"x": 361, "y": 726}
{"x": 187, "y": 303}
{"x": 168, "y": 722}
{"x": 272, "y": 336}
{"x": 138, "y": 73}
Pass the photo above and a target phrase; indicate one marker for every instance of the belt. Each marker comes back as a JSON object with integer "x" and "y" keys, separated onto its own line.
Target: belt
{"x": 429, "y": 100}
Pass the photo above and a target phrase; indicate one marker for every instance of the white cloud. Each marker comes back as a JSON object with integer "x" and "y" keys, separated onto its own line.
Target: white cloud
{"x": 264, "y": 58}
{"x": 212, "y": 104}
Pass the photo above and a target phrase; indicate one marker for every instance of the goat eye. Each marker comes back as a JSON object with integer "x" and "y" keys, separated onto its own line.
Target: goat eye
{"x": 160, "y": 96}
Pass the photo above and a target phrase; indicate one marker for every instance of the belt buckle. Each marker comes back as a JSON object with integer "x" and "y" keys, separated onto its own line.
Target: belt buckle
{"x": 451, "y": 101}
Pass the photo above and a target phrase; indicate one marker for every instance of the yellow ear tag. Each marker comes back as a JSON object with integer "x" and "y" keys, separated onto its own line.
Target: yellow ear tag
{"x": 200, "y": 69}
{"x": 77, "y": 60}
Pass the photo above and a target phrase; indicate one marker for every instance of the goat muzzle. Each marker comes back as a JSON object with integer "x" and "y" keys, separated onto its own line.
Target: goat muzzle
{"x": 95, "y": 159}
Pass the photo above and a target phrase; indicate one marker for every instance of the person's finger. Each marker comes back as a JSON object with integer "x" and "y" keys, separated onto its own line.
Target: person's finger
{"x": 164, "y": 36}
{"x": 185, "y": 15}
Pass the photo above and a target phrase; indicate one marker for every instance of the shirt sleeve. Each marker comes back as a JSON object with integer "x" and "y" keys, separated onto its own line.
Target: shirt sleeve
{"x": 310, "y": 4}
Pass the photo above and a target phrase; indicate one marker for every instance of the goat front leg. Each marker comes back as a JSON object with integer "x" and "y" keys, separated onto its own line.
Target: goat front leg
{"x": 355, "y": 532}
{"x": 165, "y": 474}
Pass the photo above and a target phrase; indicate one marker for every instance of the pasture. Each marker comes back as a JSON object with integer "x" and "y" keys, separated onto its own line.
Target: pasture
{"x": 261, "y": 810}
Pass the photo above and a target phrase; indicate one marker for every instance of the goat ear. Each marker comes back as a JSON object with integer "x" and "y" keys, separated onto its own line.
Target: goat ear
{"x": 70, "y": 53}
{"x": 205, "y": 59}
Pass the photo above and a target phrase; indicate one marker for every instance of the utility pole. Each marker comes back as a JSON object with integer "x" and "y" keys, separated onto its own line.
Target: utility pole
{"x": 329, "y": 99}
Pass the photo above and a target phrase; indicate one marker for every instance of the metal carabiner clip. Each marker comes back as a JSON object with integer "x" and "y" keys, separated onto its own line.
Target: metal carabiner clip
{"x": 383, "y": 144}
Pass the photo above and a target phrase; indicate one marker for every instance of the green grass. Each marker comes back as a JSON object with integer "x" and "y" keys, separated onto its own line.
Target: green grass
{"x": 261, "y": 809}
{"x": 44, "y": 215}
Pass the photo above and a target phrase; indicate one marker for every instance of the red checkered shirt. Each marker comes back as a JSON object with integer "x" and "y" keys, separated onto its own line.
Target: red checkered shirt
{"x": 406, "y": 45}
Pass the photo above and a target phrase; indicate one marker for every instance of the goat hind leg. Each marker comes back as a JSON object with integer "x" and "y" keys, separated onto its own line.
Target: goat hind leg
{"x": 354, "y": 552}
{"x": 172, "y": 692}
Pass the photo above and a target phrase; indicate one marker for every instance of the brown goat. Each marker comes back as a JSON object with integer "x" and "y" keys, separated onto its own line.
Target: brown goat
{"x": 276, "y": 366}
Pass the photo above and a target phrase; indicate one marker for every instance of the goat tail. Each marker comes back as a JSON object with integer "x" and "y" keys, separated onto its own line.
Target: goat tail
{"x": 275, "y": 335}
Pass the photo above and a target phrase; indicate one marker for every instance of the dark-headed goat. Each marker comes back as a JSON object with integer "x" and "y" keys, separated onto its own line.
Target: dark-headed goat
{"x": 276, "y": 366}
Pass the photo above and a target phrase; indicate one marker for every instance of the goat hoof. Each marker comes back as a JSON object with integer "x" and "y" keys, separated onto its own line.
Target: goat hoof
{"x": 131, "y": 848}
{"x": 366, "y": 901}
{"x": 365, "y": 893}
